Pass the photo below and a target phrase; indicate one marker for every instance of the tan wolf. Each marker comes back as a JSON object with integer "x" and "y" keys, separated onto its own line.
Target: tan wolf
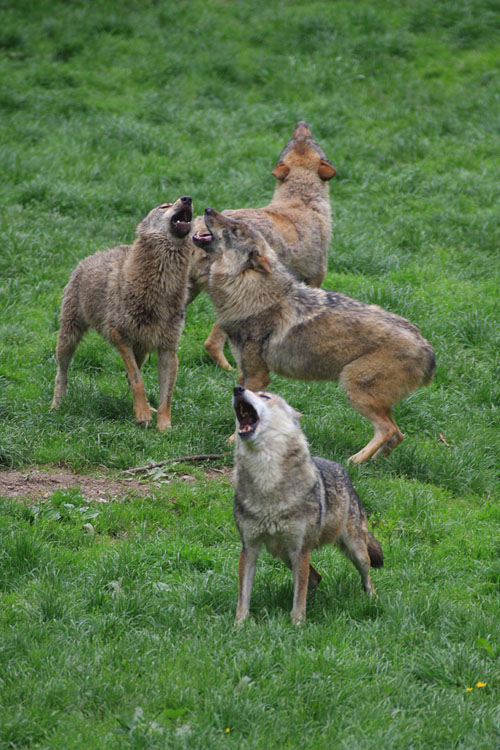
{"x": 276, "y": 323}
{"x": 135, "y": 297}
{"x": 291, "y": 502}
{"x": 296, "y": 223}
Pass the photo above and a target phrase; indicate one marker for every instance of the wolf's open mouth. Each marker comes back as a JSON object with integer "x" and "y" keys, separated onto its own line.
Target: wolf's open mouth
{"x": 181, "y": 222}
{"x": 203, "y": 239}
{"x": 247, "y": 418}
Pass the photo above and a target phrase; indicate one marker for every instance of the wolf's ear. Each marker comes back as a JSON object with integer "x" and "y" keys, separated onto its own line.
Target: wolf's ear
{"x": 325, "y": 170}
{"x": 281, "y": 170}
{"x": 258, "y": 262}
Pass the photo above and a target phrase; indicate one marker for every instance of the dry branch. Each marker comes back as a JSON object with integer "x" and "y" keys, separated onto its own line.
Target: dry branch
{"x": 180, "y": 459}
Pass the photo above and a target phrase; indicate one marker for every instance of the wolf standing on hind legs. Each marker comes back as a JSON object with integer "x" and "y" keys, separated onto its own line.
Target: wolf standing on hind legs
{"x": 135, "y": 297}
{"x": 291, "y": 502}
{"x": 296, "y": 223}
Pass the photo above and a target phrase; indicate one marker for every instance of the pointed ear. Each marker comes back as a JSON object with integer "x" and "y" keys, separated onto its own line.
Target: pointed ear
{"x": 258, "y": 262}
{"x": 281, "y": 170}
{"x": 325, "y": 170}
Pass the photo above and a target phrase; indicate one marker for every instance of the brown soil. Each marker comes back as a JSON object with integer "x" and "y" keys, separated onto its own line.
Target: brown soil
{"x": 36, "y": 484}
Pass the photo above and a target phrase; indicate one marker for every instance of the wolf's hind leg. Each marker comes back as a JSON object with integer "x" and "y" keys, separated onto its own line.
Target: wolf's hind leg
{"x": 314, "y": 579}
{"x": 140, "y": 354}
{"x": 67, "y": 341}
{"x": 388, "y": 447}
{"x": 355, "y": 549}
{"x": 215, "y": 347}
{"x": 373, "y": 394}
{"x": 386, "y": 432}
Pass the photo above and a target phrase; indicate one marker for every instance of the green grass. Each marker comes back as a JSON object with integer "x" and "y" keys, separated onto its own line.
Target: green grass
{"x": 123, "y": 637}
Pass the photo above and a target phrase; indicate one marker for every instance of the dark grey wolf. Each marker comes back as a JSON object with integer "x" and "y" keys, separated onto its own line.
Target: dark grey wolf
{"x": 135, "y": 297}
{"x": 276, "y": 323}
{"x": 296, "y": 223}
{"x": 291, "y": 502}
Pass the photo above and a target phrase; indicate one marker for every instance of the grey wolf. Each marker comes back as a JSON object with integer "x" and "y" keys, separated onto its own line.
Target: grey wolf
{"x": 135, "y": 297}
{"x": 276, "y": 323}
{"x": 291, "y": 502}
{"x": 296, "y": 223}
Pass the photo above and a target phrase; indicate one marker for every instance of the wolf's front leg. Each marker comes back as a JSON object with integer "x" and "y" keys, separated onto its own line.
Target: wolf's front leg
{"x": 300, "y": 570}
{"x": 168, "y": 364}
{"x": 254, "y": 373}
{"x": 141, "y": 407}
{"x": 246, "y": 572}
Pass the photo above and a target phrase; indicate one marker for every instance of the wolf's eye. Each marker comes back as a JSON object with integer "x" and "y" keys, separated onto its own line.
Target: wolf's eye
{"x": 263, "y": 395}
{"x": 165, "y": 205}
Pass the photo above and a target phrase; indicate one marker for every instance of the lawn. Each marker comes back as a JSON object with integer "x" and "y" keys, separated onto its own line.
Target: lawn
{"x": 116, "y": 611}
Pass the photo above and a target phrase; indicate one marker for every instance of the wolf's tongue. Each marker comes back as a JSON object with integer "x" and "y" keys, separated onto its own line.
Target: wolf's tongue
{"x": 245, "y": 428}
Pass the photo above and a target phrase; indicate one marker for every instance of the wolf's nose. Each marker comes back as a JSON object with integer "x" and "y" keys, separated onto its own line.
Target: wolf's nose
{"x": 238, "y": 390}
{"x": 186, "y": 199}
{"x": 209, "y": 211}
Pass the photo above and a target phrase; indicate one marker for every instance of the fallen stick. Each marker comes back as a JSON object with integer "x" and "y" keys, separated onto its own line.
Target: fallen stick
{"x": 180, "y": 459}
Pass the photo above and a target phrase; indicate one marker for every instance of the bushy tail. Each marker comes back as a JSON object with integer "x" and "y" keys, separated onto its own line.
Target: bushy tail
{"x": 431, "y": 365}
{"x": 375, "y": 552}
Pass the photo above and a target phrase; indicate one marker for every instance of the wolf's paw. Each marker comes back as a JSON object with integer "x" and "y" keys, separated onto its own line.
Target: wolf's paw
{"x": 142, "y": 414}
{"x": 144, "y": 419}
{"x": 221, "y": 361}
{"x": 163, "y": 424}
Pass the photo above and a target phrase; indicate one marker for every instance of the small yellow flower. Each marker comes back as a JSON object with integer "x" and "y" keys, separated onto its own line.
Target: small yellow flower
{"x": 227, "y": 730}
{"x": 469, "y": 690}
{"x": 480, "y": 684}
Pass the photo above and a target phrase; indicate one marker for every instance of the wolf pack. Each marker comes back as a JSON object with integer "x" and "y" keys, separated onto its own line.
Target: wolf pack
{"x": 263, "y": 269}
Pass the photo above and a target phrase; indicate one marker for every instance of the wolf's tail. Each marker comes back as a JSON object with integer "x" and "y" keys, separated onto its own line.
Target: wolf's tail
{"x": 375, "y": 552}
{"x": 431, "y": 365}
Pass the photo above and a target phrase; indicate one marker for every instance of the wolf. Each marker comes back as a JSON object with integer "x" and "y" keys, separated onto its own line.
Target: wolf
{"x": 290, "y": 501}
{"x": 275, "y": 322}
{"x": 135, "y": 297}
{"x": 296, "y": 223}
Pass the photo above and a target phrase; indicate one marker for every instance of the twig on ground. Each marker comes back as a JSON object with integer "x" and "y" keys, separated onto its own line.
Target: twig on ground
{"x": 180, "y": 459}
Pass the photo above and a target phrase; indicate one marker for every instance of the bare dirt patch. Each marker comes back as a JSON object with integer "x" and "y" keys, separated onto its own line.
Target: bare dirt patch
{"x": 36, "y": 484}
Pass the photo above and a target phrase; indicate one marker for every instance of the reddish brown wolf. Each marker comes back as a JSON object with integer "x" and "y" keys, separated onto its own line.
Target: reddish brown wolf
{"x": 135, "y": 296}
{"x": 276, "y": 323}
{"x": 296, "y": 223}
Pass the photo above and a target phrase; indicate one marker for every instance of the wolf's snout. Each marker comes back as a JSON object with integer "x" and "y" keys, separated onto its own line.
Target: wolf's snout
{"x": 238, "y": 390}
{"x": 210, "y": 211}
{"x": 186, "y": 199}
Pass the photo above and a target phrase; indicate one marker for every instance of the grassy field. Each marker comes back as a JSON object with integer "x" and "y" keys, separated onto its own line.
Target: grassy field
{"x": 116, "y": 617}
